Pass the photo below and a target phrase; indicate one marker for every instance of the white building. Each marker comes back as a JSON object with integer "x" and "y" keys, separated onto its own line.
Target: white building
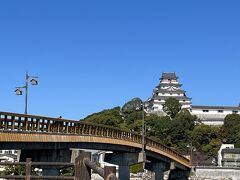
{"x": 223, "y": 146}
{"x": 213, "y": 115}
{"x": 8, "y": 156}
{"x": 99, "y": 157}
{"x": 169, "y": 86}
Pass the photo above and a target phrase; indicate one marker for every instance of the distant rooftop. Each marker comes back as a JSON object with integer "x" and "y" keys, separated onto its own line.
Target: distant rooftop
{"x": 169, "y": 76}
{"x": 230, "y": 150}
{"x": 216, "y": 107}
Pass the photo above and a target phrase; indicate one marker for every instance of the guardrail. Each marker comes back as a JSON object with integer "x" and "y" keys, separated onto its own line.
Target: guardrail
{"x": 82, "y": 169}
{"x": 21, "y": 122}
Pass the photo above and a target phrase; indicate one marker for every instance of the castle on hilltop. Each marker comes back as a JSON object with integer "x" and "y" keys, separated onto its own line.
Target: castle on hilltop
{"x": 169, "y": 86}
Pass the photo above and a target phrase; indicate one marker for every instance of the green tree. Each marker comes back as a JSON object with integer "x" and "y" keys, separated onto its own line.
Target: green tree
{"x": 180, "y": 128}
{"x": 68, "y": 171}
{"x": 132, "y": 105}
{"x": 110, "y": 117}
{"x": 17, "y": 170}
{"x": 136, "y": 126}
{"x": 207, "y": 139}
{"x": 135, "y": 168}
{"x": 14, "y": 169}
{"x": 160, "y": 128}
{"x": 171, "y": 107}
{"x": 133, "y": 116}
{"x": 231, "y": 129}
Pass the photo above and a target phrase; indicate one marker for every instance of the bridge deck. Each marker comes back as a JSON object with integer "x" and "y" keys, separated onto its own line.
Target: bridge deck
{"x": 47, "y": 129}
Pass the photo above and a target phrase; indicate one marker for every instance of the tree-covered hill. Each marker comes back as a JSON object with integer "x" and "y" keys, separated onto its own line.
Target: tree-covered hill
{"x": 177, "y": 129}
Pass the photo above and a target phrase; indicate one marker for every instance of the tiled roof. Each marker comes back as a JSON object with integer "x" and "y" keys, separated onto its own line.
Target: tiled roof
{"x": 176, "y": 97}
{"x": 169, "y": 91}
{"x": 169, "y": 76}
{"x": 229, "y": 150}
{"x": 216, "y": 107}
{"x": 169, "y": 84}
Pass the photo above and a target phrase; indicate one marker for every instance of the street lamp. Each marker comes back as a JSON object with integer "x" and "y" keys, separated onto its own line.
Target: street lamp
{"x": 19, "y": 91}
{"x": 191, "y": 148}
{"x": 142, "y": 154}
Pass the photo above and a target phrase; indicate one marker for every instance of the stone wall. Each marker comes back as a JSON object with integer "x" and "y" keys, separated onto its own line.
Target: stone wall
{"x": 215, "y": 173}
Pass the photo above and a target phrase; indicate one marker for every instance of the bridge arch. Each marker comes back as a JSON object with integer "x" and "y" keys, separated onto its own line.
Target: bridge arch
{"x": 30, "y": 130}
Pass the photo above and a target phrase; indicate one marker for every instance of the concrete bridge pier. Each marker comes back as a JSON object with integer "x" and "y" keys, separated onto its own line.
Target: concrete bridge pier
{"x": 158, "y": 168}
{"x": 123, "y": 160}
{"x": 47, "y": 155}
{"x": 50, "y": 171}
{"x": 179, "y": 174}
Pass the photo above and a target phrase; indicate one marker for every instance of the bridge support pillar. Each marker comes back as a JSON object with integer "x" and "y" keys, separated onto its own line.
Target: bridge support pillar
{"x": 178, "y": 174}
{"x": 158, "y": 168}
{"x": 123, "y": 160}
{"x": 47, "y": 155}
{"x": 124, "y": 172}
{"x": 50, "y": 171}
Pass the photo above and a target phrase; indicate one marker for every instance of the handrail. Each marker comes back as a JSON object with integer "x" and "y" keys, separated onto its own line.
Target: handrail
{"x": 81, "y": 162}
{"x": 98, "y": 169}
{"x": 31, "y": 123}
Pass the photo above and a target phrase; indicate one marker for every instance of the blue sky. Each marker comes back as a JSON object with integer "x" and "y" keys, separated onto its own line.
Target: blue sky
{"x": 94, "y": 55}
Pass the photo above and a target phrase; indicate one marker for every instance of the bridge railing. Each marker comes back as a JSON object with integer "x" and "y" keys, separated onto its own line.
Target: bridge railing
{"x": 22, "y": 122}
{"x": 82, "y": 169}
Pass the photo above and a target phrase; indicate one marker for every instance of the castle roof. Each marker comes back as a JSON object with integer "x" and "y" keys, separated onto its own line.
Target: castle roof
{"x": 169, "y": 76}
{"x": 169, "y": 84}
{"x": 176, "y": 97}
{"x": 169, "y": 91}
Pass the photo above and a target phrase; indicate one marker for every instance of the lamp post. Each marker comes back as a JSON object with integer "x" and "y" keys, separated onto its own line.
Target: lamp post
{"x": 143, "y": 129}
{"x": 191, "y": 152}
{"x": 143, "y": 158}
{"x": 18, "y": 90}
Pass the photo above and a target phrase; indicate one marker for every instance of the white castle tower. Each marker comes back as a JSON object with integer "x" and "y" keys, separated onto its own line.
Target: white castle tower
{"x": 168, "y": 87}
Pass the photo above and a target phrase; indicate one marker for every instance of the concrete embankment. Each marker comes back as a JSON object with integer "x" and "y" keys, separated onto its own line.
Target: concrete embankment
{"x": 215, "y": 173}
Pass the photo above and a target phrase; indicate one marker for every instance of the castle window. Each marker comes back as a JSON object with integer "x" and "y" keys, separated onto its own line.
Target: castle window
{"x": 205, "y": 110}
{"x": 220, "y": 111}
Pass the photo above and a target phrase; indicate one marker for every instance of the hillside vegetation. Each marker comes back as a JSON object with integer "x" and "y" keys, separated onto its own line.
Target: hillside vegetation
{"x": 178, "y": 129}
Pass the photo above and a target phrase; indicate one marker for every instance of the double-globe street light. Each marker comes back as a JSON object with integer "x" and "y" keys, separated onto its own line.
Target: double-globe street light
{"x": 19, "y": 91}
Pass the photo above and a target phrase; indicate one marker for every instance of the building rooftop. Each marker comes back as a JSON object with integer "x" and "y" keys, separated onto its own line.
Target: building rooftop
{"x": 216, "y": 107}
{"x": 170, "y": 91}
{"x": 169, "y": 84}
{"x": 166, "y": 97}
{"x": 169, "y": 76}
{"x": 231, "y": 150}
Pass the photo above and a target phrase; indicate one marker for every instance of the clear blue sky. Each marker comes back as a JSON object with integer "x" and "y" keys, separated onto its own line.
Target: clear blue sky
{"x": 94, "y": 55}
